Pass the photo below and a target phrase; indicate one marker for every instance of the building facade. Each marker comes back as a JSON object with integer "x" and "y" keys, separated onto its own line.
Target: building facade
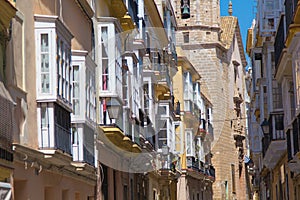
{"x": 272, "y": 45}
{"x": 7, "y": 104}
{"x": 213, "y": 45}
{"x": 45, "y": 42}
{"x": 98, "y": 103}
{"x": 195, "y": 136}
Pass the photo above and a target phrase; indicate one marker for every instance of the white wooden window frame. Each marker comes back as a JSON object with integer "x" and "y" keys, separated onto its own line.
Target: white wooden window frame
{"x": 87, "y": 90}
{"x": 51, "y": 36}
{"x": 197, "y": 94}
{"x": 114, "y": 60}
{"x": 76, "y": 88}
{"x": 46, "y": 130}
{"x": 189, "y": 143}
{"x": 188, "y": 86}
{"x": 59, "y": 64}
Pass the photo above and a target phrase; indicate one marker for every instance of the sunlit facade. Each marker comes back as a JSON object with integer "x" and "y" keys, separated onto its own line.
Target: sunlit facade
{"x": 272, "y": 46}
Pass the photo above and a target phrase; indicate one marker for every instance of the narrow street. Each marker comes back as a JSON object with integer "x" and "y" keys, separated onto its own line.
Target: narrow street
{"x": 149, "y": 100}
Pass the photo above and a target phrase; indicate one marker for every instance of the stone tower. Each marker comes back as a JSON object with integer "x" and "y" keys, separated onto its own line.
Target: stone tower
{"x": 209, "y": 42}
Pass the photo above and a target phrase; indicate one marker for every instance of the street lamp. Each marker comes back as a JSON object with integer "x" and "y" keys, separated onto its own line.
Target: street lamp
{"x": 113, "y": 108}
{"x": 265, "y": 126}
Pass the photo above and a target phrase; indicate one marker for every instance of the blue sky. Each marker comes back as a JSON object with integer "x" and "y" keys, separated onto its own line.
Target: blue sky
{"x": 244, "y": 11}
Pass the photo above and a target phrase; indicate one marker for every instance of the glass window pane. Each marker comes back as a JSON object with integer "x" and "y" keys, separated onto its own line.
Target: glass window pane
{"x": 104, "y": 35}
{"x": 75, "y": 73}
{"x": 188, "y": 143}
{"x": 44, "y": 43}
{"x": 44, "y": 117}
{"x": 105, "y": 75}
{"x": 45, "y": 63}
{"x": 45, "y": 83}
{"x": 76, "y": 106}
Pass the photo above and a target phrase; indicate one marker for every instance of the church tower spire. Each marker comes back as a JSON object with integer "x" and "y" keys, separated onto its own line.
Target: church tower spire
{"x": 230, "y": 8}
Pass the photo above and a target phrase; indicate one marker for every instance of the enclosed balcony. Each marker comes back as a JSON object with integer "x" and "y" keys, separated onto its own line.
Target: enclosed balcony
{"x": 53, "y": 59}
{"x": 83, "y": 144}
{"x": 274, "y": 144}
{"x": 165, "y": 125}
{"x": 109, "y": 53}
{"x": 165, "y": 163}
{"x": 269, "y": 13}
{"x": 55, "y": 128}
{"x": 194, "y": 165}
{"x": 162, "y": 74}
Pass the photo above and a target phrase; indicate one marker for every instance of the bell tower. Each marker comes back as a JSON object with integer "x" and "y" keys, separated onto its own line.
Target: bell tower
{"x": 201, "y": 34}
{"x": 200, "y": 14}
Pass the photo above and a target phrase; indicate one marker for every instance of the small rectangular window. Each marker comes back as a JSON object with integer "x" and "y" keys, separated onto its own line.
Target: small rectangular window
{"x": 265, "y": 89}
{"x": 233, "y": 178}
{"x": 125, "y": 192}
{"x": 186, "y": 37}
{"x": 154, "y": 195}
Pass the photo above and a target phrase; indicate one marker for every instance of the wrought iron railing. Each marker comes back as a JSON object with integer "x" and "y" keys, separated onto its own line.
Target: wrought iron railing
{"x": 296, "y": 135}
{"x": 199, "y": 166}
{"x": 210, "y": 171}
{"x": 62, "y": 139}
{"x": 88, "y": 155}
{"x": 276, "y": 131}
{"x": 192, "y": 163}
{"x": 289, "y": 145}
{"x": 279, "y": 41}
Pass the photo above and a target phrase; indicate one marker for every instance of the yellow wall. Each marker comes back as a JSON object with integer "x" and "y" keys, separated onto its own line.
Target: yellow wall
{"x": 72, "y": 15}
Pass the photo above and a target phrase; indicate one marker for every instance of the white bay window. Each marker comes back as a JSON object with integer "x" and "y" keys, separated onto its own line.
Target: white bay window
{"x": 83, "y": 84}
{"x": 188, "y": 92}
{"x": 270, "y": 12}
{"x": 84, "y": 106}
{"x": 110, "y": 59}
{"x": 109, "y": 66}
{"x": 53, "y": 58}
